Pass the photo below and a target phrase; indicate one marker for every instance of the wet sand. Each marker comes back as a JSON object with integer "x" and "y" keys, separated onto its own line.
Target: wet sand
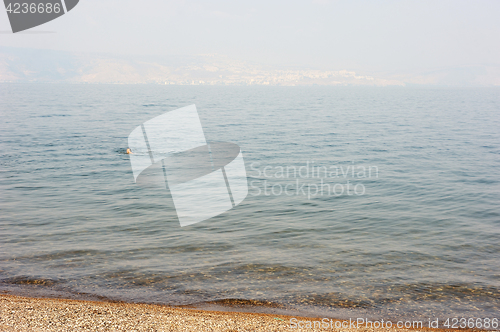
{"x": 44, "y": 314}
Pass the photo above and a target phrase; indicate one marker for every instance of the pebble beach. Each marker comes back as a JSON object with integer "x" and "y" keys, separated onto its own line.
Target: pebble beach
{"x": 45, "y": 314}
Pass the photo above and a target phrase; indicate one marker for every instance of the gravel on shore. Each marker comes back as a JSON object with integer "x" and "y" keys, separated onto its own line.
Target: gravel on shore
{"x": 44, "y": 314}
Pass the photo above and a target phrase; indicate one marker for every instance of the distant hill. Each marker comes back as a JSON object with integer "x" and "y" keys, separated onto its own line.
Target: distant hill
{"x": 31, "y": 65}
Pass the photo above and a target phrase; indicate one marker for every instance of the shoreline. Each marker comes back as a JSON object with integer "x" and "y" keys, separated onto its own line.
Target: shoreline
{"x": 19, "y": 313}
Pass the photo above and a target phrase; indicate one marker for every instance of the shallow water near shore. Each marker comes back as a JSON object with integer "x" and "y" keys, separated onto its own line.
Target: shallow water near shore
{"x": 414, "y": 233}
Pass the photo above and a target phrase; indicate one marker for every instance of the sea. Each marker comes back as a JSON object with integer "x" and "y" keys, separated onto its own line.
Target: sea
{"x": 373, "y": 202}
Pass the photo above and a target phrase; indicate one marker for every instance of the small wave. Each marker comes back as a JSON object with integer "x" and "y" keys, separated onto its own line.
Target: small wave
{"x": 331, "y": 300}
{"x": 51, "y": 115}
{"x": 23, "y": 280}
{"x": 244, "y": 302}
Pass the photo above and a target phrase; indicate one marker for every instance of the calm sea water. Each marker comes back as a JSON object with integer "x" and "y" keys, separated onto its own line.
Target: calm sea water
{"x": 419, "y": 238}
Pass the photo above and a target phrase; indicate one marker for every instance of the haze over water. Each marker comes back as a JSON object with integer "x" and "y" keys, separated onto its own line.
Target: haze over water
{"x": 422, "y": 240}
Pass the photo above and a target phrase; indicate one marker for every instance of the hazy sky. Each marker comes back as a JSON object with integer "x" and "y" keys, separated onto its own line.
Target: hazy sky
{"x": 359, "y": 35}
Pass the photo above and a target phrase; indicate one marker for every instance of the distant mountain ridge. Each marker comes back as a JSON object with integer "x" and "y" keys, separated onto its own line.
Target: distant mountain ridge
{"x": 31, "y": 65}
